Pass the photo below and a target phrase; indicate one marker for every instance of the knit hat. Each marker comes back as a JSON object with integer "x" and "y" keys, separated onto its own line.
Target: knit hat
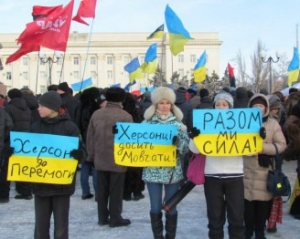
{"x": 51, "y": 100}
{"x": 64, "y": 87}
{"x": 14, "y": 93}
{"x": 115, "y": 94}
{"x": 159, "y": 94}
{"x": 203, "y": 93}
{"x": 258, "y": 100}
{"x": 225, "y": 96}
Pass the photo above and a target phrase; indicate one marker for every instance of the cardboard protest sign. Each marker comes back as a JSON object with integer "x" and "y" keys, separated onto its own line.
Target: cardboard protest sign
{"x": 42, "y": 158}
{"x": 142, "y": 145}
{"x": 228, "y": 132}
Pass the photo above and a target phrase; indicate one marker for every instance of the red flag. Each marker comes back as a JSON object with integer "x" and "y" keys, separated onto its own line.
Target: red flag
{"x": 23, "y": 50}
{"x": 44, "y": 11}
{"x": 231, "y": 76}
{"x": 51, "y": 32}
{"x": 86, "y": 9}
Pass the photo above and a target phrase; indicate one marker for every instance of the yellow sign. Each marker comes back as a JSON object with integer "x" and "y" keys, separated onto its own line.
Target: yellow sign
{"x": 38, "y": 170}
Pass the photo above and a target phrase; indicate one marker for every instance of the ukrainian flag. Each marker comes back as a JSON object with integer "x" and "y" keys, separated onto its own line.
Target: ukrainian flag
{"x": 150, "y": 64}
{"x": 200, "y": 69}
{"x": 134, "y": 69}
{"x": 81, "y": 85}
{"x": 293, "y": 68}
{"x": 158, "y": 33}
{"x": 178, "y": 35}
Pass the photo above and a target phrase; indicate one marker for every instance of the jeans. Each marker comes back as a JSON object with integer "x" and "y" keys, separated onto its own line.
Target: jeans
{"x": 86, "y": 168}
{"x": 155, "y": 193}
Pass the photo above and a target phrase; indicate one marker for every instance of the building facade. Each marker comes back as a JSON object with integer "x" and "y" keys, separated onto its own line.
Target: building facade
{"x": 102, "y": 56}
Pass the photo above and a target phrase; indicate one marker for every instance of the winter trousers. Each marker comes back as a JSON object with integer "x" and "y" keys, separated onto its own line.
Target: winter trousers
{"x": 44, "y": 207}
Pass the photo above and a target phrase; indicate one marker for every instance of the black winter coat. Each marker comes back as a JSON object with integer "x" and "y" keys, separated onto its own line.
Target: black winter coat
{"x": 60, "y": 125}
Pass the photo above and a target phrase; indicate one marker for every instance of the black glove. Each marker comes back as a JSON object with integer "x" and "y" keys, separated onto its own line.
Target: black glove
{"x": 8, "y": 151}
{"x": 264, "y": 160}
{"x": 175, "y": 140}
{"x": 77, "y": 154}
{"x": 90, "y": 163}
{"x": 262, "y": 132}
{"x": 115, "y": 129}
{"x": 194, "y": 132}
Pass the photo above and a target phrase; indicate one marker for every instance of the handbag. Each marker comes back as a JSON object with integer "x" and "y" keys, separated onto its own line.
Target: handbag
{"x": 195, "y": 170}
{"x": 277, "y": 182}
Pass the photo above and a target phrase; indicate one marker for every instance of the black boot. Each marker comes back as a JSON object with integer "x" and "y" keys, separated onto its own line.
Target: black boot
{"x": 260, "y": 235}
{"x": 248, "y": 233}
{"x": 157, "y": 225}
{"x": 171, "y": 225}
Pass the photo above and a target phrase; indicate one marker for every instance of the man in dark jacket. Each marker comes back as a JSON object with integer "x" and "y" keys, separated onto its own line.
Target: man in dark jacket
{"x": 100, "y": 145}
{"x": 6, "y": 125}
{"x": 205, "y": 100}
{"x": 185, "y": 107}
{"x": 21, "y": 117}
{"x": 242, "y": 99}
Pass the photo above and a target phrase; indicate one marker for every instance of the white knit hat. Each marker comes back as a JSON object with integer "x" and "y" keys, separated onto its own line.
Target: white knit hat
{"x": 159, "y": 94}
{"x": 224, "y": 96}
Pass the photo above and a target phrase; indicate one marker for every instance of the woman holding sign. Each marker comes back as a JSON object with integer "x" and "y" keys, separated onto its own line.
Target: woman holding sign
{"x": 223, "y": 187}
{"x": 163, "y": 111}
{"x": 256, "y": 167}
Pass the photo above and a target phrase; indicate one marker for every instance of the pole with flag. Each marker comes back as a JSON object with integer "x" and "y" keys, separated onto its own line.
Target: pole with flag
{"x": 158, "y": 33}
{"x": 200, "y": 69}
{"x": 231, "y": 76}
{"x": 293, "y": 69}
{"x": 134, "y": 69}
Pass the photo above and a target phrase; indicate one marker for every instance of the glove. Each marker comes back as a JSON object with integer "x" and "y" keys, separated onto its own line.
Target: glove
{"x": 262, "y": 132}
{"x": 77, "y": 154}
{"x": 194, "y": 132}
{"x": 114, "y": 129}
{"x": 264, "y": 160}
{"x": 8, "y": 151}
{"x": 175, "y": 140}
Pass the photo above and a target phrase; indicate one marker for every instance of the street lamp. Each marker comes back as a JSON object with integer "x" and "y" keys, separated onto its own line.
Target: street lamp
{"x": 269, "y": 60}
{"x": 50, "y": 60}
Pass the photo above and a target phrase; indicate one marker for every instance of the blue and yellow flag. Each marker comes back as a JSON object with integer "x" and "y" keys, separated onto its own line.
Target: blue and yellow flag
{"x": 178, "y": 35}
{"x": 134, "y": 69}
{"x": 81, "y": 85}
{"x": 293, "y": 68}
{"x": 150, "y": 64}
{"x": 158, "y": 33}
{"x": 200, "y": 69}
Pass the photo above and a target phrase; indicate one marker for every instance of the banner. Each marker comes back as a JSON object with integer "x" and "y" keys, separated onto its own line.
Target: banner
{"x": 42, "y": 158}
{"x": 228, "y": 132}
{"x": 146, "y": 145}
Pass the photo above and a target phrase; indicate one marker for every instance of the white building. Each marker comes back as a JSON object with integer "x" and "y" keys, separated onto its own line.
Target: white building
{"x": 103, "y": 60}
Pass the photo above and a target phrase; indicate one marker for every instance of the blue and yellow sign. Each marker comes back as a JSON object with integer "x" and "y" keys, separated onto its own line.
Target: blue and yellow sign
{"x": 228, "y": 132}
{"x": 42, "y": 158}
{"x": 145, "y": 145}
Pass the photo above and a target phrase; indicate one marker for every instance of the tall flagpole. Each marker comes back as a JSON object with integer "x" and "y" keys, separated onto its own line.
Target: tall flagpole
{"x": 37, "y": 75}
{"x": 87, "y": 52}
{"x": 62, "y": 68}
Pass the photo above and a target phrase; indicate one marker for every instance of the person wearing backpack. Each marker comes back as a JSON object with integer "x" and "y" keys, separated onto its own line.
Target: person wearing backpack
{"x": 257, "y": 198}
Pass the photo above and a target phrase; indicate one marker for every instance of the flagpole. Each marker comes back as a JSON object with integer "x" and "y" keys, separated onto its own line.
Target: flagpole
{"x": 87, "y": 52}
{"x": 62, "y": 67}
{"x": 162, "y": 56}
{"x": 37, "y": 75}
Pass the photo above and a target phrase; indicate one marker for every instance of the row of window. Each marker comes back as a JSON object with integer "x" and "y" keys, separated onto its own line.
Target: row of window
{"x": 109, "y": 60}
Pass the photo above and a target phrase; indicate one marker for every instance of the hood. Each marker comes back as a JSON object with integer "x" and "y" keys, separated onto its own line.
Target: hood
{"x": 31, "y": 101}
{"x": 20, "y": 103}
{"x": 264, "y": 97}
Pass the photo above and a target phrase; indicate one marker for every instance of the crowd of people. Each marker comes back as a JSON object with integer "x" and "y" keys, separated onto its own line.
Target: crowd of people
{"x": 235, "y": 186}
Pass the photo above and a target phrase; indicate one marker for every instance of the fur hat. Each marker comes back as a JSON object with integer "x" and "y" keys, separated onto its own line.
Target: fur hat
{"x": 115, "y": 94}
{"x": 14, "y": 93}
{"x": 159, "y": 94}
{"x": 64, "y": 87}
{"x": 51, "y": 100}
{"x": 224, "y": 96}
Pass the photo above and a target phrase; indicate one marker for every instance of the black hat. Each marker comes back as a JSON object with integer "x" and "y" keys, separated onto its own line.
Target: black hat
{"x": 64, "y": 87}
{"x": 14, "y": 93}
{"x": 259, "y": 100}
{"x": 115, "y": 94}
{"x": 203, "y": 93}
{"x": 51, "y": 100}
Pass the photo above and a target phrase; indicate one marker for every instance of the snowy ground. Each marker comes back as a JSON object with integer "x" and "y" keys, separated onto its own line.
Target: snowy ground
{"x": 17, "y": 217}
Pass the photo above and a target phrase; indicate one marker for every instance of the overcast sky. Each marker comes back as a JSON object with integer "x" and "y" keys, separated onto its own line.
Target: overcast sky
{"x": 240, "y": 23}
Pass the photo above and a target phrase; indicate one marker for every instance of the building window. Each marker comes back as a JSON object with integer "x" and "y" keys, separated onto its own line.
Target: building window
{"x": 42, "y": 63}
{"x": 25, "y": 75}
{"x": 109, "y": 75}
{"x": 60, "y": 61}
{"x": 42, "y": 89}
{"x": 58, "y": 75}
{"x": 8, "y": 75}
{"x": 25, "y": 61}
{"x": 76, "y": 75}
{"x": 109, "y": 60}
{"x": 93, "y": 60}
{"x": 126, "y": 60}
{"x": 42, "y": 75}
{"x": 193, "y": 58}
{"x": 181, "y": 72}
{"x": 94, "y": 74}
{"x": 180, "y": 58}
{"x": 76, "y": 60}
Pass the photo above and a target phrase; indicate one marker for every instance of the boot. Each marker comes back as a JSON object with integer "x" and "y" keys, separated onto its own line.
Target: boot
{"x": 171, "y": 225}
{"x": 260, "y": 235}
{"x": 248, "y": 234}
{"x": 157, "y": 225}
